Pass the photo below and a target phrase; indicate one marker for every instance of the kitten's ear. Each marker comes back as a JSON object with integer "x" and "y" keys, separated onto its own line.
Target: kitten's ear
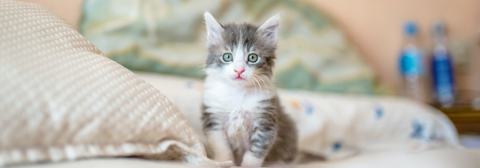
{"x": 214, "y": 29}
{"x": 270, "y": 28}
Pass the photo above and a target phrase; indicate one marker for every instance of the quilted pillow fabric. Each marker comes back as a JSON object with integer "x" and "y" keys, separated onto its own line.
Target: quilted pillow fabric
{"x": 62, "y": 99}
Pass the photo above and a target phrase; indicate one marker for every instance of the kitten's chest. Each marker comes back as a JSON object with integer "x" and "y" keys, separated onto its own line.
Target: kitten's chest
{"x": 221, "y": 100}
{"x": 237, "y": 114}
{"x": 238, "y": 109}
{"x": 238, "y": 128}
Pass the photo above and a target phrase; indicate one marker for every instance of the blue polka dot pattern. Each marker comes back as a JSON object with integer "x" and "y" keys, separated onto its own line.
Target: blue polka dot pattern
{"x": 336, "y": 146}
{"x": 308, "y": 109}
{"x": 417, "y": 130}
{"x": 379, "y": 112}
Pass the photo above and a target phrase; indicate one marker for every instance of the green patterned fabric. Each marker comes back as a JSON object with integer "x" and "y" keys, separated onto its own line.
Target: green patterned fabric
{"x": 168, "y": 36}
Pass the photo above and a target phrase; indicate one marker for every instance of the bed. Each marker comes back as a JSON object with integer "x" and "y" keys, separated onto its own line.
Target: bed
{"x": 65, "y": 104}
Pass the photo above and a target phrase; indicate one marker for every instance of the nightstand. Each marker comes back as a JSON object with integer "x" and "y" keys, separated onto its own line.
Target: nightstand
{"x": 465, "y": 113}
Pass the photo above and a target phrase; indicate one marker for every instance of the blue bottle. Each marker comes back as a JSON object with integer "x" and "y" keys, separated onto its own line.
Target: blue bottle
{"x": 442, "y": 68}
{"x": 412, "y": 66}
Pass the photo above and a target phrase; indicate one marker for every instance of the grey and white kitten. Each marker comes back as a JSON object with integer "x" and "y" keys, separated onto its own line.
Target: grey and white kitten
{"x": 242, "y": 117}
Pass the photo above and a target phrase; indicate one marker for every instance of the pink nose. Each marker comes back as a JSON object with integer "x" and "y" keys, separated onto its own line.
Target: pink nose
{"x": 239, "y": 72}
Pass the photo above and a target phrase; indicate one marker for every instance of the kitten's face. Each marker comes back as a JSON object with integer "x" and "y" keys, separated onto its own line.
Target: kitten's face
{"x": 241, "y": 53}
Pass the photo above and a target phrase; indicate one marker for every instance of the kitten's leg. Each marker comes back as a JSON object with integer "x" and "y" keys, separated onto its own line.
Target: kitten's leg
{"x": 220, "y": 146}
{"x": 216, "y": 137}
{"x": 263, "y": 137}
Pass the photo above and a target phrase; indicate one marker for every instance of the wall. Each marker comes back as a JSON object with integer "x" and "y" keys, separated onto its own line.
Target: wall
{"x": 69, "y": 10}
{"x": 375, "y": 26}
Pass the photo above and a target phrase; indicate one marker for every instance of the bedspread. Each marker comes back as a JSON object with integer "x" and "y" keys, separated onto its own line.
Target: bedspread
{"x": 336, "y": 126}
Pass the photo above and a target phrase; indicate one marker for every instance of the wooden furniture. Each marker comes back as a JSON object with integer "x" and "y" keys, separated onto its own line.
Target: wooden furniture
{"x": 465, "y": 113}
{"x": 467, "y": 120}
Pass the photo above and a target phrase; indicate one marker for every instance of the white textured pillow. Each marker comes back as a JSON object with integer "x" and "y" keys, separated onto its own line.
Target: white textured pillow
{"x": 61, "y": 99}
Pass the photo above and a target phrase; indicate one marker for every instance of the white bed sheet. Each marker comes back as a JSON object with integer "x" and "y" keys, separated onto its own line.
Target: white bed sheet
{"x": 440, "y": 158}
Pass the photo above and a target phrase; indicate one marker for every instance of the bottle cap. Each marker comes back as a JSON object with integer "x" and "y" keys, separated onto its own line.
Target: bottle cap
{"x": 438, "y": 27}
{"x": 410, "y": 28}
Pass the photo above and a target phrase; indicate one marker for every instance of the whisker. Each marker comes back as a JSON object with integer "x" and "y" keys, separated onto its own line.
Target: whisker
{"x": 264, "y": 82}
{"x": 261, "y": 78}
{"x": 254, "y": 86}
{"x": 257, "y": 83}
{"x": 268, "y": 90}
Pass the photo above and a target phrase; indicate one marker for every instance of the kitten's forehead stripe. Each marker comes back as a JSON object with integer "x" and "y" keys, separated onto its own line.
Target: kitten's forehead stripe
{"x": 239, "y": 54}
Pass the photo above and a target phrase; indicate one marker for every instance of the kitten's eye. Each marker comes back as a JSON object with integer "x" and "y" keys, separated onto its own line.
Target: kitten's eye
{"x": 227, "y": 57}
{"x": 253, "y": 57}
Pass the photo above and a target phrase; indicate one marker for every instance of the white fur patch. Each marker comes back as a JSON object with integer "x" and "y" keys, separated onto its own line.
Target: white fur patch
{"x": 249, "y": 160}
{"x": 239, "y": 53}
{"x": 238, "y": 129}
{"x": 239, "y": 105}
{"x": 223, "y": 96}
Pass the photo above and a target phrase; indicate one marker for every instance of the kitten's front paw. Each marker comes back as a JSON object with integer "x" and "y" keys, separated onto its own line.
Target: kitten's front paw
{"x": 249, "y": 160}
{"x": 222, "y": 158}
